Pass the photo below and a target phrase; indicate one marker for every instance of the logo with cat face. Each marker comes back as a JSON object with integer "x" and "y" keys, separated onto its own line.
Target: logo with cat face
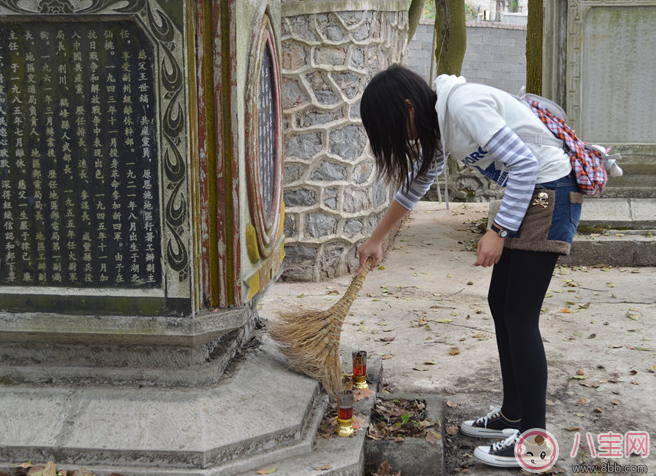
{"x": 536, "y": 450}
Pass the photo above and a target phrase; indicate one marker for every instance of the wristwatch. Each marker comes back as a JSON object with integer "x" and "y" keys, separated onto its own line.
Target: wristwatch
{"x": 502, "y": 232}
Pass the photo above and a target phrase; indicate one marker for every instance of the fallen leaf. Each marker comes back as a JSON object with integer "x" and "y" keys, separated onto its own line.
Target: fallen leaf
{"x": 597, "y": 410}
{"x": 635, "y": 382}
{"x": 616, "y": 402}
{"x": 583, "y": 400}
{"x": 652, "y": 368}
{"x": 551, "y": 403}
{"x": 430, "y": 362}
{"x": 615, "y": 346}
{"x": 633, "y": 372}
{"x": 572, "y": 428}
{"x": 566, "y": 311}
{"x": 452, "y": 430}
{"x": 580, "y": 415}
{"x": 267, "y": 471}
{"x": 386, "y": 339}
{"x": 584, "y": 306}
{"x": 357, "y": 423}
{"x": 419, "y": 369}
{"x": 610, "y": 285}
{"x": 633, "y": 315}
{"x": 451, "y": 404}
{"x": 360, "y": 393}
{"x": 454, "y": 351}
{"x": 445, "y": 321}
{"x": 323, "y": 468}
{"x": 387, "y": 356}
{"x": 399, "y": 439}
{"x": 432, "y": 437}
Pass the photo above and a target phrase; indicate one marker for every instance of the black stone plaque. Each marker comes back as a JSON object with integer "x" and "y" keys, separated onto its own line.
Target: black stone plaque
{"x": 267, "y": 124}
{"x": 79, "y": 181}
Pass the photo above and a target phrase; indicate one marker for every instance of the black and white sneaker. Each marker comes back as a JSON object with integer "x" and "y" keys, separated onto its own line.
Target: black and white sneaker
{"x": 489, "y": 426}
{"x": 502, "y": 453}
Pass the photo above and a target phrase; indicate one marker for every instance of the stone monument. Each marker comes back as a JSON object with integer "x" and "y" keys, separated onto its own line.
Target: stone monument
{"x": 141, "y": 176}
{"x": 598, "y": 63}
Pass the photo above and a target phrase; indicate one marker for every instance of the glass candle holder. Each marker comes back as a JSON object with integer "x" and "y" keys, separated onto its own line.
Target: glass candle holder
{"x": 360, "y": 369}
{"x": 345, "y": 413}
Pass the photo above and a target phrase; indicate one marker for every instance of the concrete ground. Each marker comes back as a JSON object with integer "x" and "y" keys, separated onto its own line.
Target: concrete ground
{"x": 424, "y": 312}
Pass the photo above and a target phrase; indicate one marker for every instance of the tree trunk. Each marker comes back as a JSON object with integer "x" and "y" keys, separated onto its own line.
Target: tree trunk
{"x": 414, "y": 15}
{"x": 534, "y": 47}
{"x": 451, "y": 36}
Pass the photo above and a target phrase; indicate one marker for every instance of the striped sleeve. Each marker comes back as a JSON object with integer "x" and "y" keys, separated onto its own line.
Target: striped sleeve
{"x": 506, "y": 147}
{"x": 419, "y": 184}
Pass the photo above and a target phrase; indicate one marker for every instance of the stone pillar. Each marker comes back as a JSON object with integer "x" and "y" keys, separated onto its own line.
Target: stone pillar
{"x": 332, "y": 194}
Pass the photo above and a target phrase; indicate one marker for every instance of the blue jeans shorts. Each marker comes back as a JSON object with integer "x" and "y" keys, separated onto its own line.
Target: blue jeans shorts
{"x": 551, "y": 218}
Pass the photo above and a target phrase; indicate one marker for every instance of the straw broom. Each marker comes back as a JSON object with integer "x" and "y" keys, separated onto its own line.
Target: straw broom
{"x": 310, "y": 338}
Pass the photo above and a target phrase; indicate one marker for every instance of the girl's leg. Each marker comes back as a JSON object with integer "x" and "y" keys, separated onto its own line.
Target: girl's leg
{"x": 527, "y": 280}
{"x": 511, "y": 407}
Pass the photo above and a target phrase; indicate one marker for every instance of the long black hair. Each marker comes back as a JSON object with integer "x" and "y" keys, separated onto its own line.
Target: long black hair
{"x": 384, "y": 112}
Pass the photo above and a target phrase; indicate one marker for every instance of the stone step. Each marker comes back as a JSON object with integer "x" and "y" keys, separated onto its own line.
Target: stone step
{"x": 337, "y": 456}
{"x": 259, "y": 412}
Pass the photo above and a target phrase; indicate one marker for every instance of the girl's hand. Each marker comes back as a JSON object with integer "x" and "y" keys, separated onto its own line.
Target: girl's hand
{"x": 371, "y": 248}
{"x": 489, "y": 249}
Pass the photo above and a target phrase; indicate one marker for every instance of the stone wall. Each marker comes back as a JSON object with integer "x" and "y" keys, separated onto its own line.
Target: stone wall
{"x": 496, "y": 56}
{"x": 332, "y": 194}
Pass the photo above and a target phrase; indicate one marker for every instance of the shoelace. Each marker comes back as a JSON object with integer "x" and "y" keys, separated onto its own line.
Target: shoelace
{"x": 503, "y": 444}
{"x": 493, "y": 415}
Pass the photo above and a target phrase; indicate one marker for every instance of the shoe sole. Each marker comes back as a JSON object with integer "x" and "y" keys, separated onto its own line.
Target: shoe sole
{"x": 497, "y": 461}
{"x": 482, "y": 432}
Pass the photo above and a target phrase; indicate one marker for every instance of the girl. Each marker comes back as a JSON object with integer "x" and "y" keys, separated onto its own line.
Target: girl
{"x": 412, "y": 129}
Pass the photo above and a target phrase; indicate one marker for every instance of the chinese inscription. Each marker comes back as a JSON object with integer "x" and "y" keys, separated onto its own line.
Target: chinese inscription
{"x": 78, "y": 155}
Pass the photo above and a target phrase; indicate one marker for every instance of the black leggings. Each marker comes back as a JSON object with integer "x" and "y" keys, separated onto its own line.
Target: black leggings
{"x": 519, "y": 282}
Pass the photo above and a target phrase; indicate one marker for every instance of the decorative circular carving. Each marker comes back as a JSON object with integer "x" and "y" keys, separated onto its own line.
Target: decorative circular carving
{"x": 264, "y": 136}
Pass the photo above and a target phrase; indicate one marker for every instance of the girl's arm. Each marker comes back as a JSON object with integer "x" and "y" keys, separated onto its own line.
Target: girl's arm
{"x": 403, "y": 202}
{"x": 373, "y": 247}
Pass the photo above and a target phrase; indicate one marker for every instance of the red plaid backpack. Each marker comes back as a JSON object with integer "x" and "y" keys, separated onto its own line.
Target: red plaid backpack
{"x": 589, "y": 162}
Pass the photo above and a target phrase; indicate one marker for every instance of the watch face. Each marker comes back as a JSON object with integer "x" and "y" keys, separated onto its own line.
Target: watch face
{"x": 503, "y": 233}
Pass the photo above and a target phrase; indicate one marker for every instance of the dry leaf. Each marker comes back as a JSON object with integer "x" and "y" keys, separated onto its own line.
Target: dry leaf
{"x": 615, "y": 346}
{"x": 399, "y": 439}
{"x": 610, "y": 285}
{"x": 583, "y": 400}
{"x": 387, "y": 356}
{"x": 433, "y": 437}
{"x": 357, "y": 423}
{"x": 616, "y": 402}
{"x": 360, "y": 393}
{"x": 551, "y": 403}
{"x": 652, "y": 368}
{"x": 452, "y": 430}
{"x": 267, "y": 471}
{"x": 451, "y": 404}
{"x": 572, "y": 428}
{"x": 323, "y": 468}
{"x": 597, "y": 410}
{"x": 635, "y": 382}
{"x": 584, "y": 306}
{"x": 454, "y": 351}
{"x": 580, "y": 415}
{"x": 430, "y": 362}
{"x": 419, "y": 369}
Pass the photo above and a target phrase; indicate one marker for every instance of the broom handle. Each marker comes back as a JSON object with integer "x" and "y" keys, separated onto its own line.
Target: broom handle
{"x": 344, "y": 304}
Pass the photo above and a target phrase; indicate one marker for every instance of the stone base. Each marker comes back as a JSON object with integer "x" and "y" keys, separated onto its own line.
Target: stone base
{"x": 40, "y": 348}
{"x": 259, "y": 412}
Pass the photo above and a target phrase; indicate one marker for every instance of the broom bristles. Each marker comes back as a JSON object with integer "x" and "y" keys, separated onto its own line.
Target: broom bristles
{"x": 310, "y": 338}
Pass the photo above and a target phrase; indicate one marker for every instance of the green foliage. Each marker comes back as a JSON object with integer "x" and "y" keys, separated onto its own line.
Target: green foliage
{"x": 429, "y": 10}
